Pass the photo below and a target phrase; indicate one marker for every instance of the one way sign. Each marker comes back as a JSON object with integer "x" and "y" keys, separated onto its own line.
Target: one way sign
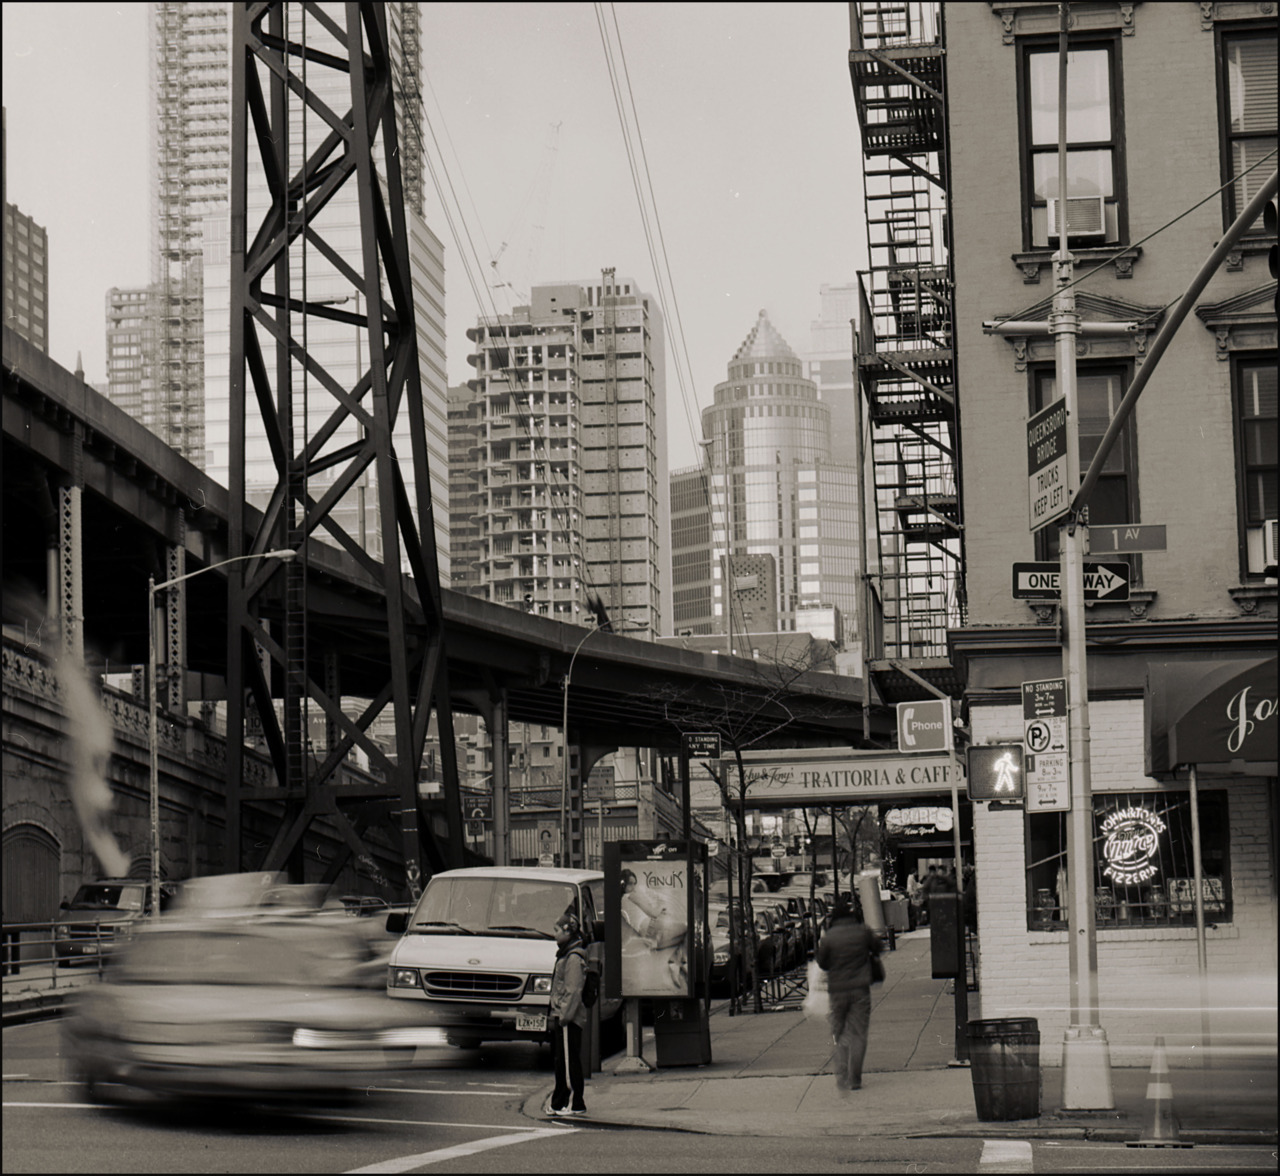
{"x": 1039, "y": 581}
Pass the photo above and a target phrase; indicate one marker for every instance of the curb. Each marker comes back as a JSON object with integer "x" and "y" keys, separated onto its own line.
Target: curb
{"x": 532, "y": 1109}
{"x": 38, "y": 1007}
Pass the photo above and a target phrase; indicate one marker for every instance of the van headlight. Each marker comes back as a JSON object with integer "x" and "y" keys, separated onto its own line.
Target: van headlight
{"x": 540, "y": 985}
{"x": 403, "y": 978}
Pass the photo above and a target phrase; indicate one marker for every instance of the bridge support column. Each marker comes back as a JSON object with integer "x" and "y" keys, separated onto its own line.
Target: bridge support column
{"x": 499, "y": 735}
{"x": 333, "y": 688}
{"x": 589, "y": 755}
{"x": 68, "y": 592}
{"x": 175, "y": 626}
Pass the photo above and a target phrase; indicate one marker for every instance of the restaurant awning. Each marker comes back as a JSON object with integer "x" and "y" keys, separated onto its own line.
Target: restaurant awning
{"x": 1219, "y": 712}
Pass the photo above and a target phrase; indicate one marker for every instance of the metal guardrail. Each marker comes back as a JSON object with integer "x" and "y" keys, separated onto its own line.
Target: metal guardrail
{"x": 31, "y": 960}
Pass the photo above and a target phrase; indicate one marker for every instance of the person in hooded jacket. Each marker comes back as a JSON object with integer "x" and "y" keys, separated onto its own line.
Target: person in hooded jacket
{"x": 568, "y": 1016}
{"x": 845, "y": 954}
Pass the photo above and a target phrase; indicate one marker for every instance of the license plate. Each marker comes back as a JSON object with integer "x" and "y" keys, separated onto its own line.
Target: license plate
{"x": 531, "y": 1022}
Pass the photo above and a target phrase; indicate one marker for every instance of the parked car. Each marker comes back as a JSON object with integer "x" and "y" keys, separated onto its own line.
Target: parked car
{"x": 772, "y": 942}
{"x": 256, "y": 1004}
{"x": 102, "y": 913}
{"x": 791, "y": 954}
{"x": 798, "y": 909}
{"x": 730, "y": 970}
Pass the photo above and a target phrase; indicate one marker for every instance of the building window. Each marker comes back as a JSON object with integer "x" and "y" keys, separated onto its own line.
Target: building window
{"x": 1256, "y": 439}
{"x": 1115, "y": 496}
{"x": 1247, "y": 108}
{"x": 1095, "y": 161}
{"x": 1142, "y": 862}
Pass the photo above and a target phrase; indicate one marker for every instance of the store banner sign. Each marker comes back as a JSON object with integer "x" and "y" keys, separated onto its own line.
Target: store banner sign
{"x": 1211, "y": 712}
{"x": 783, "y": 779}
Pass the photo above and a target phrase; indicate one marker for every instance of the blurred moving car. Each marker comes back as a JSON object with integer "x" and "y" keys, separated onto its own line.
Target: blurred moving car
{"x": 730, "y": 971}
{"x": 242, "y": 1002}
{"x": 101, "y": 912}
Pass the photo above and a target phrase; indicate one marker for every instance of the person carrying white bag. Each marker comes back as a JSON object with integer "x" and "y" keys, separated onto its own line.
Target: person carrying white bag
{"x": 816, "y": 1001}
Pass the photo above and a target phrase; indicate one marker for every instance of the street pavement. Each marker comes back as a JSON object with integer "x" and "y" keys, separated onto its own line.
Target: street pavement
{"x": 771, "y": 1075}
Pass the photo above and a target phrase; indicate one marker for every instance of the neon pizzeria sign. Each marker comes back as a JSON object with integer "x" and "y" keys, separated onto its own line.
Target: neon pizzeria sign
{"x": 1132, "y": 837}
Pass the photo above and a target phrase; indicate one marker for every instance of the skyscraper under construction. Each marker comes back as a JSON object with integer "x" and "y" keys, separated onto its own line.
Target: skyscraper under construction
{"x": 156, "y": 335}
{"x": 569, "y": 470}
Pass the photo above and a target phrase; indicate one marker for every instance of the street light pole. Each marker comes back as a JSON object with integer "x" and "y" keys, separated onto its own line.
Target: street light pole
{"x": 564, "y": 734}
{"x": 153, "y": 704}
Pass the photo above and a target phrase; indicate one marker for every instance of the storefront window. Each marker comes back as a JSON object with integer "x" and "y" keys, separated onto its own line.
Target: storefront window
{"x": 1143, "y": 873}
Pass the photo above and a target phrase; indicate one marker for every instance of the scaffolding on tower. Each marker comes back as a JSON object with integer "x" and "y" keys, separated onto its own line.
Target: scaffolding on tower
{"x": 903, "y": 337}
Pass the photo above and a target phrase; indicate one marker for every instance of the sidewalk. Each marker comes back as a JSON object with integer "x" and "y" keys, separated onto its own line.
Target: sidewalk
{"x": 39, "y": 990}
{"x": 771, "y": 1075}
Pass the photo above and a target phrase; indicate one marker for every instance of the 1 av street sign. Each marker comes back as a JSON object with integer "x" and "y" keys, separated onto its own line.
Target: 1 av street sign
{"x": 1125, "y": 538}
{"x": 1040, "y": 581}
{"x": 1047, "y": 497}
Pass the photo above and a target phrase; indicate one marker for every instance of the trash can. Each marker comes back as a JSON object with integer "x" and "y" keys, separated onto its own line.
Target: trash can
{"x": 1004, "y": 1062}
{"x": 682, "y": 1033}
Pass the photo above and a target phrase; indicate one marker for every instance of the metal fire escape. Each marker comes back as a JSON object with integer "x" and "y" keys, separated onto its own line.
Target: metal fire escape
{"x": 904, "y": 338}
{"x": 283, "y": 58}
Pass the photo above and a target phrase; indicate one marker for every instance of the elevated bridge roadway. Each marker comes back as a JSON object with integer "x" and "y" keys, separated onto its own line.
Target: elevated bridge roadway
{"x": 94, "y": 504}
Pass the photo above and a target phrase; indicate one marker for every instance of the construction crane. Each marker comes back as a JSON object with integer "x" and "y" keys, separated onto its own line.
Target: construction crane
{"x": 539, "y": 190}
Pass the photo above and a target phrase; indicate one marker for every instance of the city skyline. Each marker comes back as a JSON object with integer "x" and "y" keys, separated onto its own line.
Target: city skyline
{"x": 744, "y": 225}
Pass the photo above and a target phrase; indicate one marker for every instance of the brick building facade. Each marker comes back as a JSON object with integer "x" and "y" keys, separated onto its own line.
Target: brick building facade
{"x": 1198, "y": 456}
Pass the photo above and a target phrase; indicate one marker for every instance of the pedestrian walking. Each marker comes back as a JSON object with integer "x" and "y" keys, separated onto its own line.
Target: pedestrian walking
{"x": 845, "y": 954}
{"x": 568, "y": 1016}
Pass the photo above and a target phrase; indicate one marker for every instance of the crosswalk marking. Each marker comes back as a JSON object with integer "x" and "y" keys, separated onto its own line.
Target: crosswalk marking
{"x": 408, "y": 1163}
{"x": 1006, "y": 1155}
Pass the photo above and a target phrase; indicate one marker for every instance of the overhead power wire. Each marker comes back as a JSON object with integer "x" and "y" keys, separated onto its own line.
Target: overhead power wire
{"x": 638, "y": 162}
{"x": 1155, "y": 232}
{"x": 491, "y": 321}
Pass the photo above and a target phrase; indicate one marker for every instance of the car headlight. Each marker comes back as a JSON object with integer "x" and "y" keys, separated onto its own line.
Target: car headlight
{"x": 403, "y": 978}
{"x": 540, "y": 985}
{"x": 62, "y": 933}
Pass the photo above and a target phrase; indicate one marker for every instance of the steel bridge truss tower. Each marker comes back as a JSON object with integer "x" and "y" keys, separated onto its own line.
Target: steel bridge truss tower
{"x": 306, "y": 152}
{"x": 904, "y": 335}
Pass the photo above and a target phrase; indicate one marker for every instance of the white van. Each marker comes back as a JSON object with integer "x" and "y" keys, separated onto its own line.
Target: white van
{"x": 479, "y": 946}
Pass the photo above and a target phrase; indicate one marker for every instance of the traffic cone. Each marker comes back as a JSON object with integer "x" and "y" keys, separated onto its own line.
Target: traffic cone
{"x": 1161, "y": 1127}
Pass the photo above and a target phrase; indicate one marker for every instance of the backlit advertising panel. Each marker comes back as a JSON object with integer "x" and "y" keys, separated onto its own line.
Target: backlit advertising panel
{"x": 654, "y": 913}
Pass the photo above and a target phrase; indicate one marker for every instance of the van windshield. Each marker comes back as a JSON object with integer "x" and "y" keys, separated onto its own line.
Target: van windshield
{"x": 109, "y": 897}
{"x": 493, "y": 906}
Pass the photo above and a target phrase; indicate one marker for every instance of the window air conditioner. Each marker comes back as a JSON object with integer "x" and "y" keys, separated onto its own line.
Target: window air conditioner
{"x": 1262, "y": 543}
{"x": 1086, "y": 216}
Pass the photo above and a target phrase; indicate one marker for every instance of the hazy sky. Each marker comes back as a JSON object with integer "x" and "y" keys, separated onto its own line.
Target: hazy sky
{"x": 749, "y": 130}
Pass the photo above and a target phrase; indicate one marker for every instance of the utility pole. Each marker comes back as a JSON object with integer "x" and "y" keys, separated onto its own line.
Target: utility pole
{"x": 1086, "y": 1055}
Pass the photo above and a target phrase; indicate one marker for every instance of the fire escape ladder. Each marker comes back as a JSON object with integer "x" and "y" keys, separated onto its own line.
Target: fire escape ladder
{"x": 903, "y": 340}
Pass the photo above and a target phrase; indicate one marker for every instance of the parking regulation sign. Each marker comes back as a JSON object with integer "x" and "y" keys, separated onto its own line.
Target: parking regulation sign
{"x": 1044, "y": 719}
{"x": 1047, "y": 495}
